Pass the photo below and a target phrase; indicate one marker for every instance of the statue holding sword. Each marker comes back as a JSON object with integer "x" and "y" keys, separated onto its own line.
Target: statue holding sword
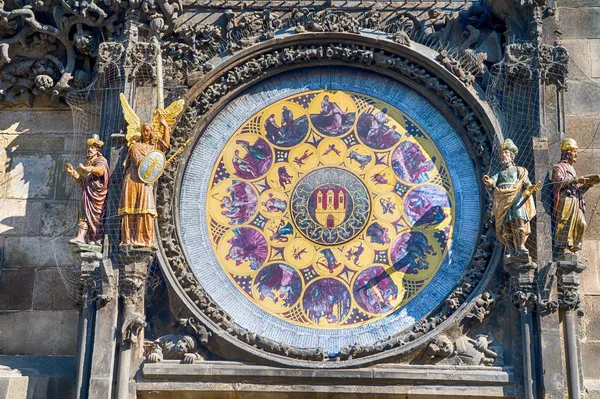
{"x": 513, "y": 206}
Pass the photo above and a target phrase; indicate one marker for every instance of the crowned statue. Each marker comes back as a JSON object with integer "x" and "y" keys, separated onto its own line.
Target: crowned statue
{"x": 568, "y": 203}
{"x": 513, "y": 206}
{"x": 92, "y": 177}
{"x": 145, "y": 162}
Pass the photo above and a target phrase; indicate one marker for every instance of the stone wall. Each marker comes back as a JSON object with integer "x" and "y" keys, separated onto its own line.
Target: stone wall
{"x": 580, "y": 25}
{"x": 37, "y": 317}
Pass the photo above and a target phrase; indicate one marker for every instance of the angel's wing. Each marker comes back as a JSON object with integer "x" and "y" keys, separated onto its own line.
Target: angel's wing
{"x": 169, "y": 113}
{"x": 134, "y": 123}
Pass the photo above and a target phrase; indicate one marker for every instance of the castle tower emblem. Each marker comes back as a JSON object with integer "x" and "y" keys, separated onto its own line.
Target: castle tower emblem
{"x": 330, "y": 207}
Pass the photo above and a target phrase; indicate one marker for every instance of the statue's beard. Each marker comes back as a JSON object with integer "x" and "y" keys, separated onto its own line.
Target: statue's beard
{"x": 506, "y": 162}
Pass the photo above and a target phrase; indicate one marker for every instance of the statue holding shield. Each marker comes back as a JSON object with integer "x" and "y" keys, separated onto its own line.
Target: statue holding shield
{"x": 144, "y": 164}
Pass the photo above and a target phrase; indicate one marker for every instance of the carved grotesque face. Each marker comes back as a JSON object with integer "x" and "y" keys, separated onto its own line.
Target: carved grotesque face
{"x": 506, "y": 158}
{"x": 445, "y": 346}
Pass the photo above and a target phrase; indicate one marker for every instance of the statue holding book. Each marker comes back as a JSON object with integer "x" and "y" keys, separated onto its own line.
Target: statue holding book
{"x": 568, "y": 204}
{"x": 92, "y": 177}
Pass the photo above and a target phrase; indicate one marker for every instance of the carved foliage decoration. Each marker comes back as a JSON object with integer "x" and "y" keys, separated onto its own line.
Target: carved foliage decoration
{"x": 256, "y": 68}
{"x": 50, "y": 47}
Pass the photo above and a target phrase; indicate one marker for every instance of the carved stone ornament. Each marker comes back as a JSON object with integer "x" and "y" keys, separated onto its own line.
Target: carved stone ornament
{"x": 267, "y": 61}
{"x": 48, "y": 48}
{"x": 527, "y": 61}
{"x": 463, "y": 351}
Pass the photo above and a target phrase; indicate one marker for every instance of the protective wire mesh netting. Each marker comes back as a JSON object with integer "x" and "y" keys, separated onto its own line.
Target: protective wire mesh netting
{"x": 527, "y": 111}
{"x": 97, "y": 110}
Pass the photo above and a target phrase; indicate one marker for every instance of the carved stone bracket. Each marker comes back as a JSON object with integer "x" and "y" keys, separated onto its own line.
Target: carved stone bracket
{"x": 520, "y": 283}
{"x": 96, "y": 282}
{"x": 134, "y": 273}
{"x": 569, "y": 278}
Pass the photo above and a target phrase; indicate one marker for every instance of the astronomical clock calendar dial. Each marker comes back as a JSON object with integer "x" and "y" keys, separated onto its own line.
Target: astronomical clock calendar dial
{"x": 327, "y": 215}
{"x": 330, "y": 209}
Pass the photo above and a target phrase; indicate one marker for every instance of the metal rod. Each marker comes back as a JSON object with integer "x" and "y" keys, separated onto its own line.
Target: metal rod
{"x": 528, "y": 379}
{"x": 124, "y": 368}
{"x": 572, "y": 356}
{"x": 84, "y": 348}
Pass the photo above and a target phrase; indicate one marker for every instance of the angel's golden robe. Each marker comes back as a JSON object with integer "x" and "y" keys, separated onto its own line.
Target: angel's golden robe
{"x": 138, "y": 205}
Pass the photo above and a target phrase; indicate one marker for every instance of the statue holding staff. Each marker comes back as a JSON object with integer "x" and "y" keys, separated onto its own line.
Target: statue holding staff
{"x": 568, "y": 204}
{"x": 513, "y": 206}
{"x": 93, "y": 180}
{"x": 143, "y": 165}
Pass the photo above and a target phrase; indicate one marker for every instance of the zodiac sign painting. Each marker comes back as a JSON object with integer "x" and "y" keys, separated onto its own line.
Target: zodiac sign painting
{"x": 325, "y": 212}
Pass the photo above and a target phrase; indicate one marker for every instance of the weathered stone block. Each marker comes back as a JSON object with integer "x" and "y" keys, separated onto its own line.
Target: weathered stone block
{"x": 590, "y": 278}
{"x": 28, "y": 252}
{"x": 13, "y": 385}
{"x": 24, "y": 121}
{"x": 50, "y": 291}
{"x": 580, "y": 23}
{"x": 590, "y": 355}
{"x": 59, "y": 219}
{"x": 49, "y": 376}
{"x": 591, "y": 322}
{"x": 16, "y": 289}
{"x": 593, "y": 388}
{"x": 41, "y": 333}
{"x": 20, "y": 217}
{"x": 595, "y": 57}
{"x": 580, "y": 65}
{"x": 31, "y": 143}
{"x": 66, "y": 188}
{"x": 582, "y": 129}
{"x": 582, "y": 97}
{"x": 31, "y": 176}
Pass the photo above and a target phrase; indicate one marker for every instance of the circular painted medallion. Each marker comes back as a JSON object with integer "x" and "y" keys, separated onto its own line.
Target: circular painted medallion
{"x": 329, "y": 217}
{"x": 330, "y": 209}
{"x": 330, "y": 206}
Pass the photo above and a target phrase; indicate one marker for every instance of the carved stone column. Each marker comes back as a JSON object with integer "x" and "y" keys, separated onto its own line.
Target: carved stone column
{"x": 569, "y": 269}
{"x": 134, "y": 272}
{"x": 96, "y": 330}
{"x": 524, "y": 300}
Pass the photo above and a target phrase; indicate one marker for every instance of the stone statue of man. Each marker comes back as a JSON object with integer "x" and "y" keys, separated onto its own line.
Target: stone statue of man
{"x": 513, "y": 206}
{"x": 568, "y": 204}
{"x": 93, "y": 180}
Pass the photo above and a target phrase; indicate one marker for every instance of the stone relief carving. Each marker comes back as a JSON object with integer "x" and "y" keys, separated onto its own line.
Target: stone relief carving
{"x": 48, "y": 48}
{"x": 527, "y": 61}
{"x": 256, "y": 68}
{"x": 463, "y": 351}
{"x": 187, "y": 347}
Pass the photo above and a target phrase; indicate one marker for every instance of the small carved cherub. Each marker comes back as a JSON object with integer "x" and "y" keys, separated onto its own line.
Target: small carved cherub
{"x": 176, "y": 346}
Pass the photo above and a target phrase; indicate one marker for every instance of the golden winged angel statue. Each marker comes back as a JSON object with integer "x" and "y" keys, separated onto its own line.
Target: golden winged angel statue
{"x": 144, "y": 164}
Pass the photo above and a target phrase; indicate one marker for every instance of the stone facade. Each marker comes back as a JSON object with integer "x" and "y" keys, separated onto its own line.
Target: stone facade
{"x": 40, "y": 320}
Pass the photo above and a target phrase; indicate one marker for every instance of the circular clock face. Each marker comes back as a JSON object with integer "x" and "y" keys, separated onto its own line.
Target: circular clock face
{"x": 327, "y": 213}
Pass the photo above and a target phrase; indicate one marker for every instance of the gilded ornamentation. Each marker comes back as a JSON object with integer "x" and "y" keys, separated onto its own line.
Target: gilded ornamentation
{"x": 144, "y": 163}
{"x": 569, "y": 205}
{"x": 330, "y": 209}
{"x": 513, "y": 206}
